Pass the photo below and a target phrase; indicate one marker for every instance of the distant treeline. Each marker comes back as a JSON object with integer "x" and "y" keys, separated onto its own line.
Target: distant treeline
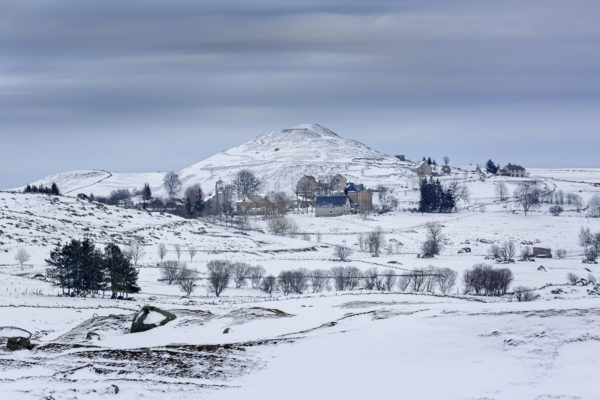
{"x": 53, "y": 190}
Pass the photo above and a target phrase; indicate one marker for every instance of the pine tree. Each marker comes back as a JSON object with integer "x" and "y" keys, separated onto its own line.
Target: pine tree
{"x": 146, "y": 193}
{"x": 121, "y": 275}
{"x": 200, "y": 204}
{"x": 54, "y": 189}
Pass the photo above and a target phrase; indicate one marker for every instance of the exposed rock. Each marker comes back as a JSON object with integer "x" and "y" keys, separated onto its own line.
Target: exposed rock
{"x": 18, "y": 343}
{"x": 140, "y": 323}
{"x": 92, "y": 335}
{"x": 227, "y": 330}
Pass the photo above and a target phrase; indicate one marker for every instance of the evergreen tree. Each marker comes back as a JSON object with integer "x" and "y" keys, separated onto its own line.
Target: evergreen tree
{"x": 146, "y": 193}
{"x": 54, "y": 189}
{"x": 491, "y": 167}
{"x": 119, "y": 272}
{"x": 200, "y": 204}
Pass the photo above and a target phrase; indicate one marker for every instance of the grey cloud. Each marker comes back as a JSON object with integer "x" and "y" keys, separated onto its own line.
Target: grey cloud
{"x": 389, "y": 73}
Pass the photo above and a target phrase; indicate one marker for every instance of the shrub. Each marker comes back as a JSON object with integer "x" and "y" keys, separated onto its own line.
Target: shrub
{"x": 523, "y": 293}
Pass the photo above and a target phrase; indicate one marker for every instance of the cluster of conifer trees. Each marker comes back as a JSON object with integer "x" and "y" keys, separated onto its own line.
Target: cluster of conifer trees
{"x": 43, "y": 189}
{"x": 79, "y": 268}
{"x": 435, "y": 198}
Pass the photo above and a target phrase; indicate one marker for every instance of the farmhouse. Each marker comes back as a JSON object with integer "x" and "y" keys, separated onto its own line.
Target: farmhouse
{"x": 332, "y": 206}
{"x": 516, "y": 171}
{"x": 423, "y": 169}
{"x": 338, "y": 184}
{"x": 362, "y": 199}
{"x": 252, "y": 205}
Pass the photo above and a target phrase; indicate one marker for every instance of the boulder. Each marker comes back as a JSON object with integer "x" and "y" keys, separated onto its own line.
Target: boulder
{"x": 18, "y": 343}
{"x": 227, "y": 330}
{"x": 150, "y": 317}
{"x": 92, "y": 335}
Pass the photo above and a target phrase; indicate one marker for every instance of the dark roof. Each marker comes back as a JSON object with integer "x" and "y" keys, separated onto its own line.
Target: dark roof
{"x": 512, "y": 167}
{"x": 330, "y": 201}
{"x": 351, "y": 188}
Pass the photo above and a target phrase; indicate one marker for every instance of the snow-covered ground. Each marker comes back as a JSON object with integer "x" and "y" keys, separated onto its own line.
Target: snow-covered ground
{"x": 350, "y": 345}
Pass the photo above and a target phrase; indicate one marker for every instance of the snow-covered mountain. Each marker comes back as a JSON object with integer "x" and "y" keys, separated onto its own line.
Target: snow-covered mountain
{"x": 279, "y": 158}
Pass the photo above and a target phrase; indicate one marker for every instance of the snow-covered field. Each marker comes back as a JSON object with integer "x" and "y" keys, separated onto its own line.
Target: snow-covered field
{"x": 350, "y": 345}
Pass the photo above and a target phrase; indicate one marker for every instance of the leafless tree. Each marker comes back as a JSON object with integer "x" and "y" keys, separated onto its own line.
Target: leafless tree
{"x": 372, "y": 279}
{"x": 319, "y": 280}
{"x": 526, "y": 253}
{"x": 169, "y": 271}
{"x": 559, "y": 197}
{"x": 246, "y": 182}
{"x": 172, "y": 183}
{"x": 501, "y": 191}
{"x": 484, "y": 279}
{"x": 446, "y": 279}
{"x": 162, "y": 251}
{"x": 282, "y": 226}
{"x": 434, "y": 242}
{"x": 561, "y": 253}
{"x": 446, "y": 160}
{"x": 177, "y": 249}
{"x": 404, "y": 282}
{"x": 192, "y": 252}
{"x": 593, "y": 207}
{"x": 293, "y": 281}
{"x": 509, "y": 250}
{"x": 389, "y": 280}
{"x": 418, "y": 279}
{"x": 375, "y": 240}
{"x": 277, "y": 204}
{"x": 256, "y": 274}
{"x": 362, "y": 242}
{"x": 527, "y": 195}
{"x": 555, "y": 210}
{"x": 460, "y": 192}
{"x": 269, "y": 285}
{"x": 22, "y": 256}
{"x": 135, "y": 251}
{"x": 187, "y": 279}
{"x": 523, "y": 293}
{"x": 575, "y": 200}
{"x": 219, "y": 274}
{"x": 572, "y": 278}
{"x": 346, "y": 278}
{"x": 342, "y": 253}
{"x": 240, "y": 272}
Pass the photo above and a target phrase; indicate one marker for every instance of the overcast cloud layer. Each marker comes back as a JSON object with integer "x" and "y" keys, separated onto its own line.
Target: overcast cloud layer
{"x": 158, "y": 85}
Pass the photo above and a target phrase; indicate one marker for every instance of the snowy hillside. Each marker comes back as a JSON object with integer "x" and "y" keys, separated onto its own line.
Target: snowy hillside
{"x": 279, "y": 158}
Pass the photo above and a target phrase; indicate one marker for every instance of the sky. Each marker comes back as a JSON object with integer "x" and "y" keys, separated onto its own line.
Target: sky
{"x": 145, "y": 85}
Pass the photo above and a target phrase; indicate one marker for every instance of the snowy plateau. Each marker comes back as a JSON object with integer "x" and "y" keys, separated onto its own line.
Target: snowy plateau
{"x": 331, "y": 344}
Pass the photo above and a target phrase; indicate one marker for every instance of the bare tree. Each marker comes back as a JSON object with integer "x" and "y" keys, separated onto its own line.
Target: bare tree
{"x": 256, "y": 275}
{"x": 282, "y": 226}
{"x": 561, "y": 253}
{"x": 269, "y": 285}
{"x": 372, "y": 280}
{"x": 240, "y": 272}
{"x": 446, "y": 279}
{"x": 177, "y": 249}
{"x": 192, "y": 252}
{"x": 501, "y": 191}
{"x": 389, "y": 280}
{"x": 22, "y": 256}
{"x": 346, "y": 278}
{"x": 434, "y": 241}
{"x": 509, "y": 250}
{"x": 277, "y": 204}
{"x": 523, "y": 293}
{"x": 169, "y": 270}
{"x": 572, "y": 278}
{"x": 219, "y": 274}
{"x": 246, "y": 183}
{"x": 172, "y": 183}
{"x": 187, "y": 279}
{"x": 593, "y": 208}
{"x": 135, "y": 251}
{"x": 459, "y": 191}
{"x": 162, "y": 251}
{"x": 446, "y": 160}
{"x": 342, "y": 253}
{"x": 319, "y": 280}
{"x": 527, "y": 196}
{"x": 375, "y": 240}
